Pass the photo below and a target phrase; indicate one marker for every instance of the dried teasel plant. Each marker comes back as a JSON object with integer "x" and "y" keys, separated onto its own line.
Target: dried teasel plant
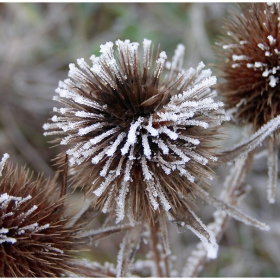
{"x": 37, "y": 237}
{"x": 141, "y": 135}
{"x": 249, "y": 52}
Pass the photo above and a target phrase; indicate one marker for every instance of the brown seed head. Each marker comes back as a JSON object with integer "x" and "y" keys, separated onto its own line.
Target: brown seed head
{"x": 249, "y": 53}
{"x": 141, "y": 131}
{"x": 34, "y": 239}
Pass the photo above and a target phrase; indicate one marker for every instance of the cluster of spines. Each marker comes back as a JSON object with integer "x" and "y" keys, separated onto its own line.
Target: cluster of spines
{"x": 179, "y": 113}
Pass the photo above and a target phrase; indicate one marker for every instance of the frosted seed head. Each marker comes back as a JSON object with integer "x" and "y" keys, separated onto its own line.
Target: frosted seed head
{"x": 122, "y": 130}
{"x": 258, "y": 65}
{"x": 30, "y": 228}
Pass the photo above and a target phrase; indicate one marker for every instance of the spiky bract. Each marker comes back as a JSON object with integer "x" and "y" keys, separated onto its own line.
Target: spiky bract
{"x": 141, "y": 130}
{"x": 249, "y": 52}
{"x": 34, "y": 240}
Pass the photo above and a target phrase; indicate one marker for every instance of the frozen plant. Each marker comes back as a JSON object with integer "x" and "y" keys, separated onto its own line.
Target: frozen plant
{"x": 37, "y": 237}
{"x": 249, "y": 52}
{"x": 141, "y": 135}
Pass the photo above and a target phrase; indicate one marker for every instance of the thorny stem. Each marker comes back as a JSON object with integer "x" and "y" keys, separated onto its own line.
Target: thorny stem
{"x": 232, "y": 194}
{"x": 154, "y": 243}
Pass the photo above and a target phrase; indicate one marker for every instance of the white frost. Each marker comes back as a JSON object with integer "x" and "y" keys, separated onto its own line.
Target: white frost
{"x": 273, "y": 81}
{"x": 239, "y": 57}
{"x": 271, "y": 40}
{"x": 3, "y": 162}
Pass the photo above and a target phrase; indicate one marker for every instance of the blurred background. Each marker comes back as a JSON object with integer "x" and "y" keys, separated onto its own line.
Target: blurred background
{"x": 37, "y": 43}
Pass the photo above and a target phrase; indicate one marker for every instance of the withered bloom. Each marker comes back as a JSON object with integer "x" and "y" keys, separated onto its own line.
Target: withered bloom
{"x": 140, "y": 132}
{"x": 249, "y": 52}
{"x": 34, "y": 238}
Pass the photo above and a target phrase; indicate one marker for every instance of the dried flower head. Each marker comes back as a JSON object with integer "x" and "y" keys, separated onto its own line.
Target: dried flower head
{"x": 34, "y": 239}
{"x": 141, "y": 131}
{"x": 134, "y": 131}
{"x": 249, "y": 52}
{"x": 250, "y": 63}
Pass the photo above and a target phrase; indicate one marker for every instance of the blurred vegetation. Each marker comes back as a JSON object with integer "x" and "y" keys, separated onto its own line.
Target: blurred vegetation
{"x": 37, "y": 43}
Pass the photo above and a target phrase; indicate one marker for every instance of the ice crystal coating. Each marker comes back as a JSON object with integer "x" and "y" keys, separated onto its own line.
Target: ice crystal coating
{"x": 140, "y": 131}
{"x": 249, "y": 55}
{"x": 34, "y": 241}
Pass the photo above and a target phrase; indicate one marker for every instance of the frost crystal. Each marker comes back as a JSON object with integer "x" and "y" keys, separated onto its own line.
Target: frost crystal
{"x": 5, "y": 199}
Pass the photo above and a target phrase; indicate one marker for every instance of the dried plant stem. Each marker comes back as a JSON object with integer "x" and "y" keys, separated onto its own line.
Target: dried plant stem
{"x": 198, "y": 257}
{"x": 154, "y": 247}
{"x": 256, "y": 139}
{"x": 272, "y": 163}
{"x": 234, "y": 183}
{"x": 128, "y": 249}
{"x": 90, "y": 269}
{"x": 95, "y": 234}
{"x": 232, "y": 194}
{"x": 78, "y": 217}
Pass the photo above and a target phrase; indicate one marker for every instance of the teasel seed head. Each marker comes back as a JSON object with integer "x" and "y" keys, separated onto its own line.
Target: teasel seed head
{"x": 249, "y": 53}
{"x": 34, "y": 238}
{"x": 141, "y": 131}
